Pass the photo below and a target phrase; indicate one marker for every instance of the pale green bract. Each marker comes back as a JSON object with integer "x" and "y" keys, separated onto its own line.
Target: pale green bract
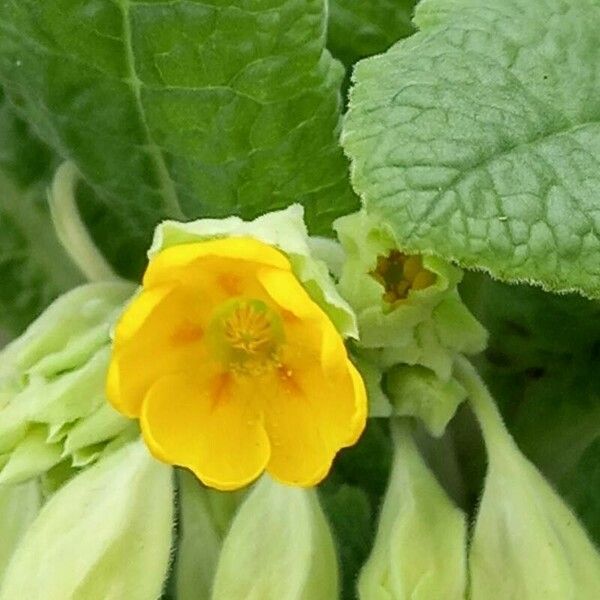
{"x": 526, "y": 542}
{"x": 284, "y": 229}
{"x": 279, "y": 547}
{"x": 420, "y": 548}
{"x": 53, "y": 410}
{"x": 478, "y": 138}
{"x": 106, "y": 535}
{"x": 19, "y": 505}
{"x": 204, "y": 519}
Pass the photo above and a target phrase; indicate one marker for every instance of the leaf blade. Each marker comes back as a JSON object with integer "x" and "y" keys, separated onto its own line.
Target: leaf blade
{"x": 469, "y": 138}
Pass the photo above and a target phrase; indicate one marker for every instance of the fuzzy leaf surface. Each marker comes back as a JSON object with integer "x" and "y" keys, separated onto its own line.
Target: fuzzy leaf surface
{"x": 478, "y": 138}
{"x": 183, "y": 109}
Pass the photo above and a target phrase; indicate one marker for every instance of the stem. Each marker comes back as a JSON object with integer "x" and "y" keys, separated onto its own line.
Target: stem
{"x": 484, "y": 407}
{"x": 71, "y": 230}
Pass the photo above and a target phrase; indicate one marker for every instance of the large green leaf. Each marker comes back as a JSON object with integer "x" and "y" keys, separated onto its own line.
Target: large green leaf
{"x": 22, "y": 156}
{"x": 360, "y": 29}
{"x": 183, "y": 109}
{"x": 34, "y": 269}
{"x": 478, "y": 138}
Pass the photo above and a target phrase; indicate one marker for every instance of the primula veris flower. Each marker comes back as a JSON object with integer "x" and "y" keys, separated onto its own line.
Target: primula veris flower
{"x": 279, "y": 547}
{"x": 526, "y": 542}
{"x": 420, "y": 548}
{"x": 233, "y": 368}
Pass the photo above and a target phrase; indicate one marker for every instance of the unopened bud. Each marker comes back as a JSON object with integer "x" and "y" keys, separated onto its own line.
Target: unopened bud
{"x": 420, "y": 547}
{"x": 527, "y": 543}
{"x": 279, "y": 547}
{"x": 52, "y": 379}
{"x": 105, "y": 534}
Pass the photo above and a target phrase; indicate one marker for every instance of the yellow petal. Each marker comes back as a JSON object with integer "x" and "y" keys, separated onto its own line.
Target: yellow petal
{"x": 161, "y": 332}
{"x": 175, "y": 262}
{"x": 202, "y": 422}
{"x": 287, "y": 292}
{"x": 311, "y": 416}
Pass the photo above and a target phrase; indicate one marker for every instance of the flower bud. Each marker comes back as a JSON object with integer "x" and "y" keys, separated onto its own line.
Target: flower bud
{"x": 418, "y": 392}
{"x": 409, "y": 313}
{"x": 19, "y": 505}
{"x": 105, "y": 534}
{"x": 204, "y": 519}
{"x": 420, "y": 547}
{"x": 279, "y": 547}
{"x": 52, "y": 403}
{"x": 526, "y": 543}
{"x": 407, "y": 306}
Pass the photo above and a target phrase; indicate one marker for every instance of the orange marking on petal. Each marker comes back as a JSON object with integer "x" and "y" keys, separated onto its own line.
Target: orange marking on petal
{"x": 231, "y": 284}
{"x": 187, "y": 333}
{"x": 219, "y": 388}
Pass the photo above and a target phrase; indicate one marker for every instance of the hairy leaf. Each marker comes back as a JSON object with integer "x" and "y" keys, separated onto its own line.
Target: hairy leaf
{"x": 360, "y": 29}
{"x": 183, "y": 109}
{"x": 478, "y": 138}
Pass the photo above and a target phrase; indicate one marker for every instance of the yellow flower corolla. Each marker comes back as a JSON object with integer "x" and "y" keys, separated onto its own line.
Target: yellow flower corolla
{"x": 233, "y": 369}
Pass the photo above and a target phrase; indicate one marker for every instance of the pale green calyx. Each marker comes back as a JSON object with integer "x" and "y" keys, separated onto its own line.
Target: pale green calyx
{"x": 107, "y": 533}
{"x": 53, "y": 414}
{"x": 417, "y": 392}
{"x": 409, "y": 313}
{"x": 19, "y": 505}
{"x": 279, "y": 547}
{"x": 284, "y": 229}
{"x": 204, "y": 518}
{"x": 420, "y": 547}
{"x": 526, "y": 543}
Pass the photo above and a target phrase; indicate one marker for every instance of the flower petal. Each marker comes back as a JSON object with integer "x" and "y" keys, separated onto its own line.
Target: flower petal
{"x": 287, "y": 292}
{"x": 174, "y": 262}
{"x": 161, "y": 332}
{"x": 204, "y": 423}
{"x": 315, "y": 413}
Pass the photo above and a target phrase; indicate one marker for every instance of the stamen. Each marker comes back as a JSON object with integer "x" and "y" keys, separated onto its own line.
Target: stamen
{"x": 247, "y": 335}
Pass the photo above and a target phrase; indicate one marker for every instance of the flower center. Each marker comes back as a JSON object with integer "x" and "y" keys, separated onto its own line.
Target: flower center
{"x": 247, "y": 335}
{"x": 399, "y": 273}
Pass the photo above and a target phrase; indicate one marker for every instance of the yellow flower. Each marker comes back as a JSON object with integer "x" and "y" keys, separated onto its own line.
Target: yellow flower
{"x": 232, "y": 368}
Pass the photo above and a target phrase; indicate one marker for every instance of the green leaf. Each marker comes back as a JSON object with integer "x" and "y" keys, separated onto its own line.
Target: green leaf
{"x": 34, "y": 268}
{"x": 22, "y": 156}
{"x": 184, "y": 109}
{"x": 580, "y": 488}
{"x": 478, "y": 138}
{"x": 360, "y": 29}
